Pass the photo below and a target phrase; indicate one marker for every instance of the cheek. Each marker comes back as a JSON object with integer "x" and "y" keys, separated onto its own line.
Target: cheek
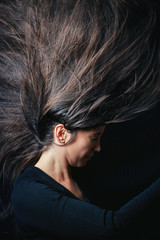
{"x": 79, "y": 154}
{"x": 80, "y": 150}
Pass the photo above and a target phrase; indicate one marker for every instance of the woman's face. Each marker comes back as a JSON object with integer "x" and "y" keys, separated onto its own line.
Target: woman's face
{"x": 84, "y": 146}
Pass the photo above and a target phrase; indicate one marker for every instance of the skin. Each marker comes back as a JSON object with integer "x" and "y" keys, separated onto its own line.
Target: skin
{"x": 58, "y": 159}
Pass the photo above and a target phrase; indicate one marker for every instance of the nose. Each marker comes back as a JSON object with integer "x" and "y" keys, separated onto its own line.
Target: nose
{"x": 98, "y": 147}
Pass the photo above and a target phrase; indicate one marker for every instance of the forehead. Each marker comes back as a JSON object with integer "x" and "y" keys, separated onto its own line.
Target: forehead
{"x": 95, "y": 131}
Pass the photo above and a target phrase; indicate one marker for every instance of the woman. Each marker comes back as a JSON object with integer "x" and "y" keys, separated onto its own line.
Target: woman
{"x": 68, "y": 68}
{"x": 49, "y": 204}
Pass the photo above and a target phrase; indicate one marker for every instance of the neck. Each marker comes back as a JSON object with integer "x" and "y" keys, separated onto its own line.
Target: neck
{"x": 56, "y": 167}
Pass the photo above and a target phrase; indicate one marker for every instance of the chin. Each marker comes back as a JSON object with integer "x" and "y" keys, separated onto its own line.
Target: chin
{"x": 84, "y": 162}
{"x": 80, "y": 164}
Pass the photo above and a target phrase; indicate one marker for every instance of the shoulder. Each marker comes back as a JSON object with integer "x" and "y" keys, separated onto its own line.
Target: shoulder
{"x": 36, "y": 197}
{"x": 33, "y": 190}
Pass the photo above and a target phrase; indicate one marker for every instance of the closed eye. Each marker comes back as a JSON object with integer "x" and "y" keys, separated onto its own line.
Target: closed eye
{"x": 94, "y": 139}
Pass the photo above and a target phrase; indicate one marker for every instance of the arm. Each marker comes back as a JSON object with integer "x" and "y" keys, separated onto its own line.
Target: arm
{"x": 56, "y": 214}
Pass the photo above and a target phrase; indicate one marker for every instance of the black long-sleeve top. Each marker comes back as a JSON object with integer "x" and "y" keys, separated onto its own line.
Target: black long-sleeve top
{"x": 44, "y": 209}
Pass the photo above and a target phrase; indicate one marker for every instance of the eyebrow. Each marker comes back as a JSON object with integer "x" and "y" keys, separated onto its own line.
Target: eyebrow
{"x": 97, "y": 134}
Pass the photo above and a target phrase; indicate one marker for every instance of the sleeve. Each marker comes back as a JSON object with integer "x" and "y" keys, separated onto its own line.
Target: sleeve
{"x": 58, "y": 215}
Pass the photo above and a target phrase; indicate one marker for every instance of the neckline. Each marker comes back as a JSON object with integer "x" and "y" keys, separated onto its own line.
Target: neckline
{"x": 52, "y": 180}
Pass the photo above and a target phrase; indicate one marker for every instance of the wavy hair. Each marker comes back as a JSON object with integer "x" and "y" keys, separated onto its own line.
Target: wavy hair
{"x": 82, "y": 63}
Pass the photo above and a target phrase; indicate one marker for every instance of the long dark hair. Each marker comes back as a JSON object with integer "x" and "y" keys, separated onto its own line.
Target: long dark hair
{"x": 82, "y": 63}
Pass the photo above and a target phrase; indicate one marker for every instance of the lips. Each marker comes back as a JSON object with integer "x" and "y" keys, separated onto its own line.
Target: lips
{"x": 90, "y": 156}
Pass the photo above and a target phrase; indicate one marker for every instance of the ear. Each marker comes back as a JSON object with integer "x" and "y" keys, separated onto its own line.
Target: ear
{"x": 60, "y": 134}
